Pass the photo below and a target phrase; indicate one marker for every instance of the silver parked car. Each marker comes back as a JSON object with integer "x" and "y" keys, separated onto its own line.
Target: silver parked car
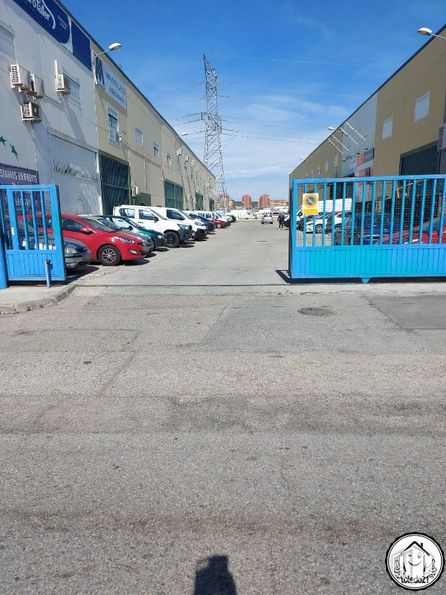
{"x": 267, "y": 218}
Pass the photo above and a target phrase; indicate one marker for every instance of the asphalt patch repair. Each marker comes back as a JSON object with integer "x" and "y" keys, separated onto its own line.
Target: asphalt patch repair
{"x": 421, "y": 312}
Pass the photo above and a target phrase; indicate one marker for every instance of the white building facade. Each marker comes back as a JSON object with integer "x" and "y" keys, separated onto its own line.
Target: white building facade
{"x": 47, "y": 116}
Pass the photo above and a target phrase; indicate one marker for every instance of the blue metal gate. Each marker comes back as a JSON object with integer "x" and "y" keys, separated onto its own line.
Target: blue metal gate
{"x": 368, "y": 227}
{"x": 31, "y": 233}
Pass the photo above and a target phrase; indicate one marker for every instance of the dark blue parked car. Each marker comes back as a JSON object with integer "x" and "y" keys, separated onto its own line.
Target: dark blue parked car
{"x": 370, "y": 234}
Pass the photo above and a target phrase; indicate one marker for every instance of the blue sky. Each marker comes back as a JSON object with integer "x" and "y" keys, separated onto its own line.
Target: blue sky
{"x": 287, "y": 70}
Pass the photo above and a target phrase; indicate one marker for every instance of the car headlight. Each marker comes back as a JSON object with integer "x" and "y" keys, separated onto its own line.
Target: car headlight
{"x": 124, "y": 240}
{"x": 70, "y": 250}
{"x": 182, "y": 226}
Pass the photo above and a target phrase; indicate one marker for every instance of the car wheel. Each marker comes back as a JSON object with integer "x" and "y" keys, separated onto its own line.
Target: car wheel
{"x": 109, "y": 255}
{"x": 262, "y": 222}
{"x": 318, "y": 228}
{"x": 172, "y": 239}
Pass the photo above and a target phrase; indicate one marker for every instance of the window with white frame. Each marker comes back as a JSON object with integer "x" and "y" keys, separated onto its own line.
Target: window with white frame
{"x": 113, "y": 127}
{"x": 74, "y": 98}
{"x": 422, "y": 107}
{"x": 139, "y": 137}
{"x": 168, "y": 159}
{"x": 388, "y": 127}
{"x": 7, "y": 51}
{"x": 156, "y": 150}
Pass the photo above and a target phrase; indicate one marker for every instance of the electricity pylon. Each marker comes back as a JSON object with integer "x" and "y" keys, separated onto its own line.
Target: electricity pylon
{"x": 213, "y": 156}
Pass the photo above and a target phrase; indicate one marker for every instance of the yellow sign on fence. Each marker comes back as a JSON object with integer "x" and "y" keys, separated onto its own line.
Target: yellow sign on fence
{"x": 310, "y": 202}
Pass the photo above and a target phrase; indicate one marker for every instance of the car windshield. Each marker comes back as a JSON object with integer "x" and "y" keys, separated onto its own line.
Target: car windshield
{"x": 108, "y": 223}
{"x": 127, "y": 223}
{"x": 96, "y": 225}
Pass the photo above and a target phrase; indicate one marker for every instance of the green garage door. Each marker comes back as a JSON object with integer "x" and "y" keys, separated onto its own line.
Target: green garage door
{"x": 421, "y": 162}
{"x": 173, "y": 195}
{"x": 115, "y": 176}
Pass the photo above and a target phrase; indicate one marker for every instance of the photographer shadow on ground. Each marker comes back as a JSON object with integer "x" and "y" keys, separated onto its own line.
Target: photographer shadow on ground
{"x": 212, "y": 577}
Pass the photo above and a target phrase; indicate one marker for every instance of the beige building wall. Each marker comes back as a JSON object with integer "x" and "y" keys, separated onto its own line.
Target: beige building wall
{"x": 402, "y": 116}
{"x": 104, "y": 105}
{"x": 154, "y": 151}
{"x": 424, "y": 74}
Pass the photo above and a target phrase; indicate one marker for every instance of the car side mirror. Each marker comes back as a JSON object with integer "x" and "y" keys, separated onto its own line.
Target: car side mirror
{"x": 129, "y": 228}
{"x": 85, "y": 230}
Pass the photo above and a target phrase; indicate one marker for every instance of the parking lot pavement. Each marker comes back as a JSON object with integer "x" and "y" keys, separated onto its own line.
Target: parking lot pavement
{"x": 278, "y": 442}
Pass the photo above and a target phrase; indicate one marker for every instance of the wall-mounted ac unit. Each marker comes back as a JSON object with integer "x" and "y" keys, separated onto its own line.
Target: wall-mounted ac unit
{"x": 19, "y": 77}
{"x": 135, "y": 190}
{"x": 63, "y": 84}
{"x": 186, "y": 158}
{"x": 37, "y": 89}
{"x": 179, "y": 151}
{"x": 30, "y": 112}
{"x": 192, "y": 162}
{"x": 442, "y": 138}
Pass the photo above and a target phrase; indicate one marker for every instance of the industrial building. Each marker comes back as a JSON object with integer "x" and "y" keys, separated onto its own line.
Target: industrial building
{"x": 70, "y": 116}
{"x": 399, "y": 129}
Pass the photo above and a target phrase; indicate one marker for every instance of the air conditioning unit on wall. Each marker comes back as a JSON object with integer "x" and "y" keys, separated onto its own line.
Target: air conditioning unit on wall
{"x": 30, "y": 112}
{"x": 179, "y": 151}
{"x": 37, "y": 89}
{"x": 19, "y": 77}
{"x": 63, "y": 84}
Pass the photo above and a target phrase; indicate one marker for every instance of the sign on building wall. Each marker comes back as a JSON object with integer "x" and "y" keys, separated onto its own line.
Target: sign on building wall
{"x": 110, "y": 83}
{"x": 12, "y": 175}
{"x": 49, "y": 15}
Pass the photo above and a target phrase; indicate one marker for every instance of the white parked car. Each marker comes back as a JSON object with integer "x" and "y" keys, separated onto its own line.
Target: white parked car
{"x": 199, "y": 229}
{"x": 176, "y": 232}
{"x": 267, "y": 218}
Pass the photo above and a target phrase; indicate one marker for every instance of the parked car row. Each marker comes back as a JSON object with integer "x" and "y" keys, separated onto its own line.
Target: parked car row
{"x": 132, "y": 232}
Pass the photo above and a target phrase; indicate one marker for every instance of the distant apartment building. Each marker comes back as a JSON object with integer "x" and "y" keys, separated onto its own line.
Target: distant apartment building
{"x": 247, "y": 202}
{"x": 265, "y": 201}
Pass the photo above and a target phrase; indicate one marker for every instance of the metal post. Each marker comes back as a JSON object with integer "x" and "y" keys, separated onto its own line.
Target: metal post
{"x": 48, "y": 272}
{"x": 3, "y": 272}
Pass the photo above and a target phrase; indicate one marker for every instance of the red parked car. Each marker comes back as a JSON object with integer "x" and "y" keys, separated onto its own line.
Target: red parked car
{"x": 106, "y": 245}
{"x": 219, "y": 223}
{"x": 420, "y": 236}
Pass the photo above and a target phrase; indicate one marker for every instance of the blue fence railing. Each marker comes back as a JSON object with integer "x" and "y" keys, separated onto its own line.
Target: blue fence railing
{"x": 369, "y": 227}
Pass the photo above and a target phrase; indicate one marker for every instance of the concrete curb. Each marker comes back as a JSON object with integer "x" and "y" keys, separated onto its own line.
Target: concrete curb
{"x": 15, "y": 307}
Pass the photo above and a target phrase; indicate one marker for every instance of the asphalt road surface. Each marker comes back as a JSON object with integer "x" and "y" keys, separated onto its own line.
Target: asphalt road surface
{"x": 193, "y": 425}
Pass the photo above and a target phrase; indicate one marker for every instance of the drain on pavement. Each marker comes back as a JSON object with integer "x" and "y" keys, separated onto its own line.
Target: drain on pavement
{"x": 316, "y": 311}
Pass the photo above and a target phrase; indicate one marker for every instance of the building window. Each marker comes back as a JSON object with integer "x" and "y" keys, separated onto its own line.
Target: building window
{"x": 388, "y": 127}
{"x": 326, "y": 166}
{"x": 421, "y": 107}
{"x": 113, "y": 127}
{"x": 156, "y": 150}
{"x": 168, "y": 159}
{"x": 74, "y": 98}
{"x": 7, "y": 51}
{"x": 139, "y": 137}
